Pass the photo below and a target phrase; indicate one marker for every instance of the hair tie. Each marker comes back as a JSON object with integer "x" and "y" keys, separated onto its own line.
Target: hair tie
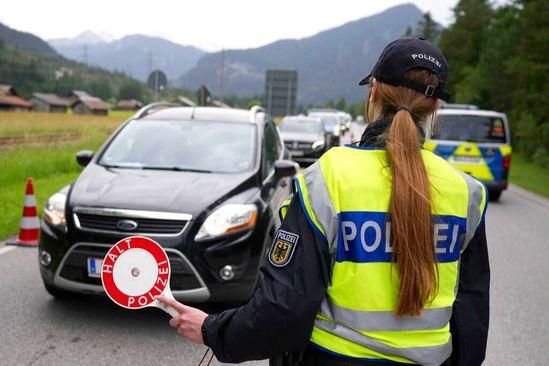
{"x": 405, "y": 107}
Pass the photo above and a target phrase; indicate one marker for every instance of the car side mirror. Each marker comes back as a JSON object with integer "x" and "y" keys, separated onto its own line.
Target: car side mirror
{"x": 285, "y": 168}
{"x": 84, "y": 157}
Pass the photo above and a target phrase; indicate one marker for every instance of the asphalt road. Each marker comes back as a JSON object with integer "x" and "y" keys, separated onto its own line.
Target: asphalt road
{"x": 36, "y": 329}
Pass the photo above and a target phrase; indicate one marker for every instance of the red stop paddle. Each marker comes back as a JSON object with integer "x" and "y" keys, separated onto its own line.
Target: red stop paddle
{"x": 135, "y": 271}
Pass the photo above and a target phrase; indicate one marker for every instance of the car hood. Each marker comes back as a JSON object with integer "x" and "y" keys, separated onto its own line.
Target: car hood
{"x": 299, "y": 136}
{"x": 154, "y": 190}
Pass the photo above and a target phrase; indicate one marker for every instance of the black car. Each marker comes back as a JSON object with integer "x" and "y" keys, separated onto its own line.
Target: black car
{"x": 206, "y": 183}
{"x": 305, "y": 138}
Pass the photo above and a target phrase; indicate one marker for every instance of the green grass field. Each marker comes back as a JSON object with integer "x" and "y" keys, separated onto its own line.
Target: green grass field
{"x": 529, "y": 175}
{"x": 51, "y": 164}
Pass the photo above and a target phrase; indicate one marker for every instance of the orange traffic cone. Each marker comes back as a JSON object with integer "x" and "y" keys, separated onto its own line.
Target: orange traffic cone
{"x": 28, "y": 233}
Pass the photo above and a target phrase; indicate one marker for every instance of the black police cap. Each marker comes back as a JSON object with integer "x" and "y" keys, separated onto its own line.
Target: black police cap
{"x": 405, "y": 54}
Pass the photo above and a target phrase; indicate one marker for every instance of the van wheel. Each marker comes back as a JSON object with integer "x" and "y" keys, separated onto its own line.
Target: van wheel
{"x": 494, "y": 195}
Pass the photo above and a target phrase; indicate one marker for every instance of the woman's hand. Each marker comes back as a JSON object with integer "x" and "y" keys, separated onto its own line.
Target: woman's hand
{"x": 189, "y": 321}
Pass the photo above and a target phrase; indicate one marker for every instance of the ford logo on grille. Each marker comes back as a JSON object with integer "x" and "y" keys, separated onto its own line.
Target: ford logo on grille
{"x": 126, "y": 225}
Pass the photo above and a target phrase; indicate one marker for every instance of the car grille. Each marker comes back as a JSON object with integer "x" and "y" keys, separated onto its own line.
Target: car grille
{"x": 75, "y": 268}
{"x": 109, "y": 223}
{"x": 295, "y": 145}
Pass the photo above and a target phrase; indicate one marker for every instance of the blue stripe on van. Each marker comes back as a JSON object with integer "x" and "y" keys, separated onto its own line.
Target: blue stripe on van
{"x": 445, "y": 151}
{"x": 494, "y": 160}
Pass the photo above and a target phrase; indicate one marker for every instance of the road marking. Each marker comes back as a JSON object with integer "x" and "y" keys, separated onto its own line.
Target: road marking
{"x": 530, "y": 196}
{"x": 6, "y": 249}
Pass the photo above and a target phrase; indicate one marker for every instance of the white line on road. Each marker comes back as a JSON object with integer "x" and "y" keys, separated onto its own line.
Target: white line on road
{"x": 6, "y": 249}
{"x": 531, "y": 196}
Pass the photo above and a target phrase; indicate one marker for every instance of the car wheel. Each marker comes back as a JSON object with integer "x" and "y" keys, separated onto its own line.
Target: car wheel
{"x": 494, "y": 195}
{"x": 59, "y": 293}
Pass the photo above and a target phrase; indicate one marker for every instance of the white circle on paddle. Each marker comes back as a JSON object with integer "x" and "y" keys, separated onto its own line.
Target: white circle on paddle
{"x": 128, "y": 264}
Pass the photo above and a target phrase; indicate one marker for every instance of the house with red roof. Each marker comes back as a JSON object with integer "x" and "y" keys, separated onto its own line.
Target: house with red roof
{"x": 11, "y": 101}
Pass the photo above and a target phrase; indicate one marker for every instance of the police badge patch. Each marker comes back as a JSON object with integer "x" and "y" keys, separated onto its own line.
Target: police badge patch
{"x": 283, "y": 248}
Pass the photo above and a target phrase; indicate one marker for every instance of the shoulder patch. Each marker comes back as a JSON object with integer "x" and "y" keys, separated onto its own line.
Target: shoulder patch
{"x": 283, "y": 248}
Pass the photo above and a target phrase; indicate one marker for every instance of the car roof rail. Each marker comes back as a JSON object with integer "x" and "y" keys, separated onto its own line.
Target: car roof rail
{"x": 255, "y": 110}
{"x": 150, "y": 108}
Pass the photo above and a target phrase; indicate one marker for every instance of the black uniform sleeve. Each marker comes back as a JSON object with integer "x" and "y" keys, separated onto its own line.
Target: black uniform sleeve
{"x": 280, "y": 315}
{"x": 469, "y": 323}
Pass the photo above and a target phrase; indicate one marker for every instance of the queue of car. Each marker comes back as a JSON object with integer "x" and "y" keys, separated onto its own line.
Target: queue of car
{"x": 308, "y": 137}
{"x": 335, "y": 121}
{"x": 305, "y": 138}
{"x": 206, "y": 183}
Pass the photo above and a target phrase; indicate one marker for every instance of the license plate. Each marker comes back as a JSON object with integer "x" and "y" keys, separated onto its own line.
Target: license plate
{"x": 466, "y": 159}
{"x": 296, "y": 153}
{"x": 94, "y": 267}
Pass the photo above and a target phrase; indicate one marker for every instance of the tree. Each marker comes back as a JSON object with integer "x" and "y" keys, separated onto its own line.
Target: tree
{"x": 101, "y": 88}
{"x": 132, "y": 90}
{"x": 341, "y": 104}
{"x": 67, "y": 83}
{"x": 462, "y": 41}
{"x": 253, "y": 102}
{"x": 532, "y": 69}
{"x": 356, "y": 109}
{"x": 427, "y": 28}
{"x": 409, "y": 32}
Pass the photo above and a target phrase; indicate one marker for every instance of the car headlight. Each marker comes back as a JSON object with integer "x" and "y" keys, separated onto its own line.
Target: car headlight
{"x": 54, "y": 211}
{"x": 227, "y": 219}
{"x": 318, "y": 144}
{"x": 336, "y": 131}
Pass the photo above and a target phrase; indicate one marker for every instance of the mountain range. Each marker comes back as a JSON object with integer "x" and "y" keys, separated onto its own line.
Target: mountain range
{"x": 135, "y": 55}
{"x": 25, "y": 41}
{"x": 87, "y": 37}
{"x": 329, "y": 64}
{"x": 29, "y": 64}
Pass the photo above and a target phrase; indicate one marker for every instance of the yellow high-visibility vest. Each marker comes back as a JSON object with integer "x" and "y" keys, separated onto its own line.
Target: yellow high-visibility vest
{"x": 345, "y": 195}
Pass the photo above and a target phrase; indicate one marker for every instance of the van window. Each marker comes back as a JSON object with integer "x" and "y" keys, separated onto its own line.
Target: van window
{"x": 470, "y": 128}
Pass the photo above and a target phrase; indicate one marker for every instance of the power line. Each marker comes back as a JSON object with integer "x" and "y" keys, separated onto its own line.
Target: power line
{"x": 149, "y": 62}
{"x": 222, "y": 76}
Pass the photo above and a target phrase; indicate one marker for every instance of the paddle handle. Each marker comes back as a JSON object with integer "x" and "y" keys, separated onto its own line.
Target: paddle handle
{"x": 168, "y": 309}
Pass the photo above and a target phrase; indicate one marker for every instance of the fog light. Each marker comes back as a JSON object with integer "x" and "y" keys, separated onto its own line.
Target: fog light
{"x": 226, "y": 273}
{"x": 45, "y": 258}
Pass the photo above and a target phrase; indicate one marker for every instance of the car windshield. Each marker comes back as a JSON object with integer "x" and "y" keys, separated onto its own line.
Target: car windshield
{"x": 200, "y": 146}
{"x": 329, "y": 121}
{"x": 295, "y": 125}
{"x": 470, "y": 128}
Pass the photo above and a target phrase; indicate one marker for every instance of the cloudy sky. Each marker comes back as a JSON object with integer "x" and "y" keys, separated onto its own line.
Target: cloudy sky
{"x": 209, "y": 24}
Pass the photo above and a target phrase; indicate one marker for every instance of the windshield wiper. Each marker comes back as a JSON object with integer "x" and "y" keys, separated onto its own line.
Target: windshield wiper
{"x": 176, "y": 168}
{"x": 122, "y": 166}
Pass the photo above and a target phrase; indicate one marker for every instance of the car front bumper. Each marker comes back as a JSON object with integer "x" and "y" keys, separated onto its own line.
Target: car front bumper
{"x": 306, "y": 156}
{"x": 71, "y": 274}
{"x": 194, "y": 271}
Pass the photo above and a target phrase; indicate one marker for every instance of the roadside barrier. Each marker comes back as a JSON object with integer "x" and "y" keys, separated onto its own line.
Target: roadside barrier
{"x": 29, "y": 229}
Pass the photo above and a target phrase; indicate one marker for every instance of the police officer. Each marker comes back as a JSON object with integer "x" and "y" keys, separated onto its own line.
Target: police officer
{"x": 382, "y": 255}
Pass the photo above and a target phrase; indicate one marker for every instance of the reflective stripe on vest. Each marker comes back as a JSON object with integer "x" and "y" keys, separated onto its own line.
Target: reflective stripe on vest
{"x": 345, "y": 196}
{"x": 284, "y": 209}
